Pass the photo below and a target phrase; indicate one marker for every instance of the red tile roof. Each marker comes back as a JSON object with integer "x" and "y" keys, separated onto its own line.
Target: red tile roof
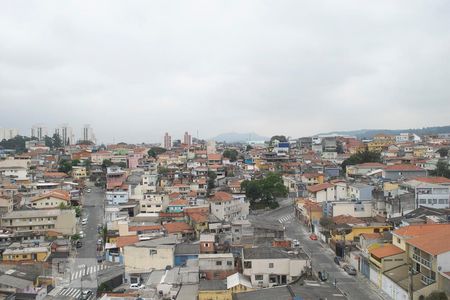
{"x": 214, "y": 156}
{"x": 56, "y": 174}
{"x": 59, "y": 194}
{"x": 347, "y": 219}
{"x": 386, "y": 250}
{"x": 179, "y": 202}
{"x": 434, "y": 243}
{"x": 319, "y": 187}
{"x": 221, "y": 196}
{"x": 177, "y": 227}
{"x": 370, "y": 165}
{"x": 126, "y": 240}
{"x": 403, "y": 167}
{"x": 412, "y": 231}
{"x": 145, "y": 227}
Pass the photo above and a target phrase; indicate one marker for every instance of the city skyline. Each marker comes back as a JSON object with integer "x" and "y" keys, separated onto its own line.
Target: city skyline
{"x": 295, "y": 68}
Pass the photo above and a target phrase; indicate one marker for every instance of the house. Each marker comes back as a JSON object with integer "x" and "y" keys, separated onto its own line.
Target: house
{"x": 117, "y": 195}
{"x": 6, "y": 205}
{"x": 154, "y": 203}
{"x": 427, "y": 249}
{"x": 357, "y": 209}
{"x": 216, "y": 265}
{"x": 224, "y": 289}
{"x": 53, "y": 199}
{"x": 267, "y": 266}
{"x": 18, "y": 252}
{"x": 185, "y": 252}
{"x": 322, "y": 192}
{"x": 363, "y": 169}
{"x": 312, "y": 178}
{"x": 62, "y": 221}
{"x": 227, "y": 207}
{"x": 115, "y": 177}
{"x": 383, "y": 258}
{"x": 403, "y": 171}
{"x": 177, "y": 206}
{"x": 79, "y": 172}
{"x": 308, "y": 212}
{"x": 360, "y": 191}
{"x": 253, "y": 232}
{"x": 97, "y": 158}
{"x": 181, "y": 230}
{"x": 152, "y": 254}
{"x": 16, "y": 169}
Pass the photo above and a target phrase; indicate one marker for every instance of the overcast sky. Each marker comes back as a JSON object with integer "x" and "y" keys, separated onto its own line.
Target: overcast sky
{"x": 135, "y": 69}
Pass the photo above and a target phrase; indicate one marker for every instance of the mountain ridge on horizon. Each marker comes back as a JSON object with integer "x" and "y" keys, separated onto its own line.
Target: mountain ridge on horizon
{"x": 369, "y": 133}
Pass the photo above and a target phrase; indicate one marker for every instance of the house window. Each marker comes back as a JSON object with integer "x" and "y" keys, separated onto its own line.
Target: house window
{"x": 229, "y": 263}
{"x": 259, "y": 277}
{"x": 218, "y": 263}
{"x": 271, "y": 265}
{"x": 153, "y": 252}
{"x": 247, "y": 264}
{"x": 206, "y": 245}
{"x": 398, "y": 241}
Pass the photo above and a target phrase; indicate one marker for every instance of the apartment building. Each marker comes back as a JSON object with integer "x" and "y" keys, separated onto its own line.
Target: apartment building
{"x": 52, "y": 199}
{"x": 227, "y": 207}
{"x": 62, "y": 221}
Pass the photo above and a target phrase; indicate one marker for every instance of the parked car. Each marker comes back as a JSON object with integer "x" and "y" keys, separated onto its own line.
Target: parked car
{"x": 136, "y": 286}
{"x": 323, "y": 275}
{"x": 350, "y": 269}
{"x": 78, "y": 244}
{"x": 88, "y": 190}
{"x": 296, "y": 243}
{"x": 338, "y": 260}
{"x": 81, "y": 234}
{"x": 84, "y": 221}
{"x": 313, "y": 237}
{"x": 86, "y": 294}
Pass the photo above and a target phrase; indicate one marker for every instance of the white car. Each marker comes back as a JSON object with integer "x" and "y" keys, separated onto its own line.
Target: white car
{"x": 81, "y": 234}
{"x": 84, "y": 221}
{"x": 88, "y": 190}
{"x": 136, "y": 286}
{"x": 296, "y": 243}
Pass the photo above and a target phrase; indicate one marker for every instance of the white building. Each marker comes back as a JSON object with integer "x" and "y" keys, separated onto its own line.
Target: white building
{"x": 15, "y": 168}
{"x": 65, "y": 132}
{"x": 268, "y": 266}
{"x": 154, "y": 203}
{"x": 228, "y": 207}
{"x": 39, "y": 131}
{"x": 88, "y": 134}
{"x": 8, "y": 133}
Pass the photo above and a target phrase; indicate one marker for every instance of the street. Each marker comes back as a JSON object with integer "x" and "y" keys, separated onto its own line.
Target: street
{"x": 83, "y": 269}
{"x": 93, "y": 209}
{"x": 354, "y": 287}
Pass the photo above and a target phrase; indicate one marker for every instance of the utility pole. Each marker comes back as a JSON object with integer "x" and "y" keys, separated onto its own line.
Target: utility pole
{"x": 410, "y": 286}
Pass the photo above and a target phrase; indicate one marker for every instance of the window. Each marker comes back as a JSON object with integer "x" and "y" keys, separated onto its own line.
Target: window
{"x": 236, "y": 230}
{"x": 218, "y": 263}
{"x": 271, "y": 265}
{"x": 247, "y": 264}
{"x": 206, "y": 245}
{"x": 259, "y": 277}
{"x": 398, "y": 241}
{"x": 229, "y": 263}
{"x": 153, "y": 251}
{"x": 423, "y": 201}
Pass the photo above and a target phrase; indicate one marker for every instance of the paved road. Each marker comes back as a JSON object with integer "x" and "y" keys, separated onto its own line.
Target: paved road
{"x": 93, "y": 209}
{"x": 83, "y": 271}
{"x": 354, "y": 287}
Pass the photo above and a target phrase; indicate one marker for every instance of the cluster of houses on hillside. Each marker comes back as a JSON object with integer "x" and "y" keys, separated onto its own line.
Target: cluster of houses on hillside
{"x": 180, "y": 225}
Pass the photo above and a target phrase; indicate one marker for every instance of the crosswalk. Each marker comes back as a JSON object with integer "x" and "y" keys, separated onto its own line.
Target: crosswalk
{"x": 286, "y": 218}
{"x": 86, "y": 270}
{"x": 70, "y": 293}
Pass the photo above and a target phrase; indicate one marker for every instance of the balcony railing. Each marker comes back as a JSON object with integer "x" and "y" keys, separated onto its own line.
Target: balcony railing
{"x": 427, "y": 280}
{"x": 422, "y": 260}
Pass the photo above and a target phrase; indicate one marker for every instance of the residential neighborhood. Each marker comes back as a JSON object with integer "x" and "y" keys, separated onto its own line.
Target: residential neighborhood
{"x": 214, "y": 220}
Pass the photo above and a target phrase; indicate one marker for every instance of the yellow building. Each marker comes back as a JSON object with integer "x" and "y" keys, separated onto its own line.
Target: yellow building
{"x": 19, "y": 253}
{"x": 224, "y": 289}
{"x": 79, "y": 172}
{"x": 356, "y": 231}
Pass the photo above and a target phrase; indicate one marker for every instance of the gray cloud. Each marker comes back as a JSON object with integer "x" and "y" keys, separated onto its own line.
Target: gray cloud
{"x": 134, "y": 70}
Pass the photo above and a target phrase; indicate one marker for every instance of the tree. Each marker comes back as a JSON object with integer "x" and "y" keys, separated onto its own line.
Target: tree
{"x": 361, "y": 157}
{"x": 437, "y": 295}
{"x": 57, "y": 142}
{"x": 248, "y": 148}
{"x": 442, "y": 169}
{"x": 443, "y": 152}
{"x": 155, "y": 151}
{"x": 163, "y": 170}
{"x": 65, "y": 166}
{"x": 84, "y": 142}
{"x": 48, "y": 142}
{"x": 122, "y": 164}
{"x": 77, "y": 211}
{"x": 266, "y": 190}
{"x": 211, "y": 180}
{"x": 75, "y": 237}
{"x": 75, "y": 162}
{"x": 231, "y": 154}
{"x": 106, "y": 163}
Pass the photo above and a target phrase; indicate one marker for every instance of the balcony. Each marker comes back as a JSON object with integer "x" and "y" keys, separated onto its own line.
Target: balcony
{"x": 427, "y": 280}
{"x": 422, "y": 260}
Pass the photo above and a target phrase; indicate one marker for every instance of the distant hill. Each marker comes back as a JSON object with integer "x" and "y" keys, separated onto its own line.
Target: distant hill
{"x": 369, "y": 133}
{"x": 234, "y": 137}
